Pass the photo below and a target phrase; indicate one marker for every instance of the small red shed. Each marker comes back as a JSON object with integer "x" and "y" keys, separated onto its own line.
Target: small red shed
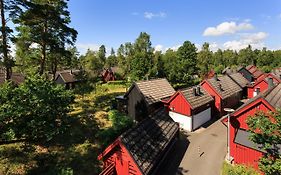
{"x": 262, "y": 83}
{"x": 190, "y": 107}
{"x": 242, "y": 149}
{"x": 226, "y": 92}
{"x": 141, "y": 149}
{"x": 108, "y": 75}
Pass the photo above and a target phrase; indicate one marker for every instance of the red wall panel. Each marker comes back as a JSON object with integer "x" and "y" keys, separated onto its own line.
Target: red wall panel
{"x": 217, "y": 98}
{"x": 180, "y": 105}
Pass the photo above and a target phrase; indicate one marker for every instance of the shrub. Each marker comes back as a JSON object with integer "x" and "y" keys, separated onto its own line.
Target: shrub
{"x": 237, "y": 170}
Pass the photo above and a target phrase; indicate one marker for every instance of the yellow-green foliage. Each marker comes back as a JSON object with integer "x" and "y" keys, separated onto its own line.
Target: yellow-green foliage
{"x": 228, "y": 169}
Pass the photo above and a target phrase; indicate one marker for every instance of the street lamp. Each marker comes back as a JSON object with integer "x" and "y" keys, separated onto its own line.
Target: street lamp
{"x": 228, "y": 110}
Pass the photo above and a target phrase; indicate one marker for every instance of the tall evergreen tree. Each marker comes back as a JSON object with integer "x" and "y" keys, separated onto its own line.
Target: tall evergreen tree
{"x": 141, "y": 63}
{"x": 47, "y": 21}
{"x": 204, "y": 59}
{"x": 6, "y": 8}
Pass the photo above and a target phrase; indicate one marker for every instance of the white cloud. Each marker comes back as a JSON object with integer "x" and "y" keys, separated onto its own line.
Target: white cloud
{"x": 214, "y": 46}
{"x": 159, "y": 47}
{"x": 227, "y": 28}
{"x": 174, "y": 48}
{"x": 82, "y": 47}
{"x": 256, "y": 40}
{"x": 150, "y": 15}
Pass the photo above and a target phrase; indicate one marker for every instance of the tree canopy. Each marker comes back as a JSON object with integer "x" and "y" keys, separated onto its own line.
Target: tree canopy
{"x": 266, "y": 131}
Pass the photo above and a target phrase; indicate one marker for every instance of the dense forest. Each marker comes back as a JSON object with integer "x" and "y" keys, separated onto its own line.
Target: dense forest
{"x": 45, "y": 44}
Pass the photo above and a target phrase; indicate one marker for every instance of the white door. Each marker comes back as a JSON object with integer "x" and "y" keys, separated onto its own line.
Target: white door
{"x": 184, "y": 121}
{"x": 201, "y": 118}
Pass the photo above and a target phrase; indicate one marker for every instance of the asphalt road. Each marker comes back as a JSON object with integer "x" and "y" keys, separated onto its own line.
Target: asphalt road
{"x": 199, "y": 153}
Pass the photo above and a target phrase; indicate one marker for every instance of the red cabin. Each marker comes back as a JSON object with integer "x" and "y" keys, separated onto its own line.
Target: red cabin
{"x": 226, "y": 92}
{"x": 108, "y": 74}
{"x": 242, "y": 149}
{"x": 140, "y": 150}
{"x": 190, "y": 107}
{"x": 262, "y": 84}
{"x": 256, "y": 73}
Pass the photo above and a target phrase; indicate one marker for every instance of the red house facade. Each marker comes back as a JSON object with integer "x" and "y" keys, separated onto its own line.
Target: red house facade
{"x": 108, "y": 75}
{"x": 141, "y": 149}
{"x": 262, "y": 84}
{"x": 190, "y": 107}
{"x": 242, "y": 149}
{"x": 226, "y": 92}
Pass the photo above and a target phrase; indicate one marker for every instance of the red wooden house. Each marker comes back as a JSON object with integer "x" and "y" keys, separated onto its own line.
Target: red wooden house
{"x": 226, "y": 92}
{"x": 242, "y": 149}
{"x": 108, "y": 74}
{"x": 254, "y": 71}
{"x": 141, "y": 149}
{"x": 262, "y": 84}
{"x": 190, "y": 107}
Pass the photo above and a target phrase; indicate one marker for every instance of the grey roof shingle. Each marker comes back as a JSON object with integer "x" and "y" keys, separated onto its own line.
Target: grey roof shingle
{"x": 229, "y": 87}
{"x": 198, "y": 99}
{"x": 272, "y": 96}
{"x": 69, "y": 76}
{"x": 16, "y": 78}
{"x": 239, "y": 79}
{"x": 155, "y": 90}
{"x": 147, "y": 141}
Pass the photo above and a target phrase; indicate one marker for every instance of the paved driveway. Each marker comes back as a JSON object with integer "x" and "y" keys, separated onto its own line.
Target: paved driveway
{"x": 199, "y": 153}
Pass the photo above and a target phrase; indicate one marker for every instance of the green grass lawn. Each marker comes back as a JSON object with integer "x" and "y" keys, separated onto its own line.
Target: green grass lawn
{"x": 73, "y": 152}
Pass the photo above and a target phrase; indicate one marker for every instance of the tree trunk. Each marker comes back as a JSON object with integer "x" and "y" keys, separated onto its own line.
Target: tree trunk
{"x": 43, "y": 50}
{"x": 7, "y": 62}
{"x": 54, "y": 68}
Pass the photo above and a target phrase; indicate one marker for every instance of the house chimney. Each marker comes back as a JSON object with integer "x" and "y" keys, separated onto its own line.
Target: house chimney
{"x": 270, "y": 82}
{"x": 70, "y": 71}
{"x": 198, "y": 90}
{"x": 220, "y": 87}
{"x": 194, "y": 91}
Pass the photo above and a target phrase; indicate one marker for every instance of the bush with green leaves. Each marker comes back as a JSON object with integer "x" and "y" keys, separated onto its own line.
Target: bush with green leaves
{"x": 35, "y": 110}
{"x": 268, "y": 125}
{"x": 237, "y": 170}
{"x": 120, "y": 123}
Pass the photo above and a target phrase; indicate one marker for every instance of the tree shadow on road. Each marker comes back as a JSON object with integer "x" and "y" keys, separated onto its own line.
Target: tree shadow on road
{"x": 172, "y": 161}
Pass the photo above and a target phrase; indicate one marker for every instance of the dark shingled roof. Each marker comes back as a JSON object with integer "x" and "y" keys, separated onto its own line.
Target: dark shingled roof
{"x": 242, "y": 138}
{"x": 229, "y": 87}
{"x": 272, "y": 96}
{"x": 69, "y": 76}
{"x": 16, "y": 78}
{"x": 147, "y": 141}
{"x": 239, "y": 79}
{"x": 198, "y": 99}
{"x": 154, "y": 90}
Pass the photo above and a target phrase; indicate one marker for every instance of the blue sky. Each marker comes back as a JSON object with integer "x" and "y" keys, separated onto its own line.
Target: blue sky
{"x": 223, "y": 23}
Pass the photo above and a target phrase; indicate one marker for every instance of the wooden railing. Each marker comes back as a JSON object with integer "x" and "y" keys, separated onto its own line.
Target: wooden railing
{"x": 110, "y": 170}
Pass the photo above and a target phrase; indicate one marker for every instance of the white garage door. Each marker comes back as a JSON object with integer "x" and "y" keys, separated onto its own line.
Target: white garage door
{"x": 201, "y": 118}
{"x": 184, "y": 121}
